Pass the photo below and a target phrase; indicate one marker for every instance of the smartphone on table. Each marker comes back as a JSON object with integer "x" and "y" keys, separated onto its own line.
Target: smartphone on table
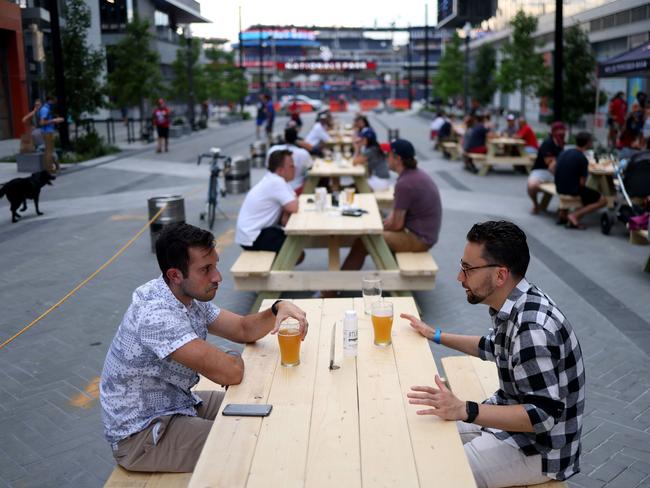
{"x": 247, "y": 410}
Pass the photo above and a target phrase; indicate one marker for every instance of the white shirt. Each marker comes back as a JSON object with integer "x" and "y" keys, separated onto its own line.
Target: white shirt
{"x": 301, "y": 160}
{"x": 262, "y": 207}
{"x": 317, "y": 134}
{"x": 437, "y": 123}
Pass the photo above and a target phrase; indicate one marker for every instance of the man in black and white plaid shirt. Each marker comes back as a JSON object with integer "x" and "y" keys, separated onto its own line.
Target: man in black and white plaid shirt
{"x": 529, "y": 430}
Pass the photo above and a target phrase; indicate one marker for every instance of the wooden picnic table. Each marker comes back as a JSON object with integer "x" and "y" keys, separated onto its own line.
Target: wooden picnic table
{"x": 350, "y": 427}
{"x": 601, "y": 179}
{"x": 500, "y": 150}
{"x": 309, "y": 228}
{"x": 335, "y": 170}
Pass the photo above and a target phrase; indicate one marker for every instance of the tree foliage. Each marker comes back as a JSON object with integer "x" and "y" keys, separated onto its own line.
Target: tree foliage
{"x": 82, "y": 64}
{"x": 522, "y": 67}
{"x": 226, "y": 82}
{"x": 578, "y": 75}
{"x": 483, "y": 79}
{"x": 180, "y": 89}
{"x": 136, "y": 72}
{"x": 448, "y": 81}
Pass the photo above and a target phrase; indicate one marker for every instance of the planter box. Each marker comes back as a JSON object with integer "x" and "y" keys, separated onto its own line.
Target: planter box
{"x": 175, "y": 131}
{"x": 30, "y": 162}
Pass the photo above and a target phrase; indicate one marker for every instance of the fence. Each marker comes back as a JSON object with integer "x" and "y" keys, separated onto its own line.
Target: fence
{"x": 116, "y": 130}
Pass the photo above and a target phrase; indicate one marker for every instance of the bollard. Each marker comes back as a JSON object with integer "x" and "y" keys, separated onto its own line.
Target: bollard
{"x": 393, "y": 134}
{"x": 258, "y": 154}
{"x": 173, "y": 214}
{"x": 238, "y": 176}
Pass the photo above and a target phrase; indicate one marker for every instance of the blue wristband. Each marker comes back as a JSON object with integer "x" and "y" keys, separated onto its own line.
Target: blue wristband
{"x": 436, "y": 336}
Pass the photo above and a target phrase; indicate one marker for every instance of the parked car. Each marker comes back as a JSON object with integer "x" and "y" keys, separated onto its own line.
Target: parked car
{"x": 286, "y": 100}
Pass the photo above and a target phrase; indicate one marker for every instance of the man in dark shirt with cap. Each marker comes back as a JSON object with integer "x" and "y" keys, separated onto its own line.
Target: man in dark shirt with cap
{"x": 544, "y": 166}
{"x": 414, "y": 223}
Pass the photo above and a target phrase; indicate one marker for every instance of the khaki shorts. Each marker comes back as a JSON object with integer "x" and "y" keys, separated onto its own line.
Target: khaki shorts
{"x": 172, "y": 443}
{"x": 404, "y": 241}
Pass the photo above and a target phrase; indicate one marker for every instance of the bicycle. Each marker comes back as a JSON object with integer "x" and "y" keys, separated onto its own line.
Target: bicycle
{"x": 213, "y": 187}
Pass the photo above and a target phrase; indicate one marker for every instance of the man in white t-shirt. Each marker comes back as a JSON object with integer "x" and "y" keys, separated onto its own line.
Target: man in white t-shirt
{"x": 301, "y": 158}
{"x": 267, "y": 206}
{"x": 317, "y": 136}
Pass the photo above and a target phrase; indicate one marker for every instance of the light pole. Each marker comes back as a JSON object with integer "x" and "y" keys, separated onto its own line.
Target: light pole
{"x": 558, "y": 95}
{"x": 190, "y": 77}
{"x": 467, "y": 30}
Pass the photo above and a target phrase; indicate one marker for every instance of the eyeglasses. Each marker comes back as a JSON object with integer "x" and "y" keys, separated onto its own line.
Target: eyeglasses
{"x": 465, "y": 270}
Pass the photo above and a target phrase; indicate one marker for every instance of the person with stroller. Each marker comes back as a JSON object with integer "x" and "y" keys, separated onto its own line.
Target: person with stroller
{"x": 571, "y": 172}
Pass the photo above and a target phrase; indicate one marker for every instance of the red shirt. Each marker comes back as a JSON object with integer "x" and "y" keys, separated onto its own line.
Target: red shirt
{"x": 161, "y": 117}
{"x": 617, "y": 109}
{"x": 527, "y": 134}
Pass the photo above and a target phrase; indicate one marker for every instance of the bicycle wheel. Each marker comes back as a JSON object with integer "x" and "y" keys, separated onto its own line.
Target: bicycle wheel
{"x": 212, "y": 200}
{"x": 211, "y": 212}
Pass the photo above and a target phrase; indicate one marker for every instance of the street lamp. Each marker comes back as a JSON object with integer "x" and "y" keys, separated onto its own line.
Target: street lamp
{"x": 190, "y": 80}
{"x": 467, "y": 30}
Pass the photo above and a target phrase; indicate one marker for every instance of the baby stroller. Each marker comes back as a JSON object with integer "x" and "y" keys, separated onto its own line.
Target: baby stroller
{"x": 634, "y": 183}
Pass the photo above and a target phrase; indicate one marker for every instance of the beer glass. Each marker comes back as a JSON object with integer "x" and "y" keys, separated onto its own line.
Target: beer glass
{"x": 349, "y": 196}
{"x": 289, "y": 340}
{"x": 382, "y": 322}
{"x": 371, "y": 291}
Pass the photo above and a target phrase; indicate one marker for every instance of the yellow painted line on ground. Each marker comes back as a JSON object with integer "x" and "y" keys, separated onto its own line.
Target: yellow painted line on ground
{"x": 89, "y": 395}
{"x": 226, "y": 239}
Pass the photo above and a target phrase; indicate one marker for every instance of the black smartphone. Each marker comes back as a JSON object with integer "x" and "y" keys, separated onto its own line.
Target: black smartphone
{"x": 352, "y": 212}
{"x": 247, "y": 410}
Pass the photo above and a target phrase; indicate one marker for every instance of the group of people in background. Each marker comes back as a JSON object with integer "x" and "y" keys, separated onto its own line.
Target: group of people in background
{"x": 628, "y": 129}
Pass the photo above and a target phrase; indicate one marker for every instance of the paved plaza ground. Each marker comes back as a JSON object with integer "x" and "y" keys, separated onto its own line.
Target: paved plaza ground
{"x": 50, "y": 425}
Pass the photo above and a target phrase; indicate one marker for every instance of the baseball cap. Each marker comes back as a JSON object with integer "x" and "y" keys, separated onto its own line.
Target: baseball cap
{"x": 511, "y": 117}
{"x": 557, "y": 126}
{"x": 402, "y": 148}
{"x": 368, "y": 133}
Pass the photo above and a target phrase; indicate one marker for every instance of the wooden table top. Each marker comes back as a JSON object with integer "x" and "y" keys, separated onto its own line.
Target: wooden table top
{"x": 307, "y": 221}
{"x": 324, "y": 169}
{"x": 351, "y": 427}
{"x": 601, "y": 168}
{"x": 506, "y": 141}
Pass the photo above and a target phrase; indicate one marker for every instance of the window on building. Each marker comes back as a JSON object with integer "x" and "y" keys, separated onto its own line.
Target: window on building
{"x": 113, "y": 15}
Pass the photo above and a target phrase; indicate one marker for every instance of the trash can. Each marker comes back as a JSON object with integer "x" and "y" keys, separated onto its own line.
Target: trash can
{"x": 174, "y": 213}
{"x": 393, "y": 134}
{"x": 238, "y": 176}
{"x": 258, "y": 154}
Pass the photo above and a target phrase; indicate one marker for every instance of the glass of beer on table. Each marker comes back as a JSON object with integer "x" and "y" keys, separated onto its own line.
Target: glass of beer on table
{"x": 381, "y": 313}
{"x": 289, "y": 340}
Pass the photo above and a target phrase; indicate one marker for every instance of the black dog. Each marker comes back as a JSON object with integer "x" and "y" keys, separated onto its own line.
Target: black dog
{"x": 19, "y": 190}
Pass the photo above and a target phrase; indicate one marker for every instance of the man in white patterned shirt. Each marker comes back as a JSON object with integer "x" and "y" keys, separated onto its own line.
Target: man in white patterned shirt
{"x": 529, "y": 430}
{"x": 151, "y": 418}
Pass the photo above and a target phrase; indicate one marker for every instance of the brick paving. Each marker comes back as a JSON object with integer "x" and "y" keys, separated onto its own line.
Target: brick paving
{"x": 50, "y": 426}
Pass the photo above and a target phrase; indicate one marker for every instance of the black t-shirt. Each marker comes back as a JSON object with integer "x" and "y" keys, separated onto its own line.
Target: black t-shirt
{"x": 548, "y": 148}
{"x": 571, "y": 166}
{"x": 476, "y": 137}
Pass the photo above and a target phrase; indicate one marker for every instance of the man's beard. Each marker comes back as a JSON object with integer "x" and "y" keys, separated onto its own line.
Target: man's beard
{"x": 476, "y": 297}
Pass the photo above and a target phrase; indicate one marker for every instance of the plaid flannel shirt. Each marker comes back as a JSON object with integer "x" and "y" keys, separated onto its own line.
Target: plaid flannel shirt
{"x": 540, "y": 366}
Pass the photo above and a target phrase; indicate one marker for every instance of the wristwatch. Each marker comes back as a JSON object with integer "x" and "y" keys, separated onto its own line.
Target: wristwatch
{"x": 274, "y": 307}
{"x": 472, "y": 412}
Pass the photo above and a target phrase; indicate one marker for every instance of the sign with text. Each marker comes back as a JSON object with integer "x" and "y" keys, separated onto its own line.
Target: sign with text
{"x": 330, "y": 66}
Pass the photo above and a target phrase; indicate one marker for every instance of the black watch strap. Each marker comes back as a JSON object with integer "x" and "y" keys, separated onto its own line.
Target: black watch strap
{"x": 274, "y": 307}
{"x": 472, "y": 412}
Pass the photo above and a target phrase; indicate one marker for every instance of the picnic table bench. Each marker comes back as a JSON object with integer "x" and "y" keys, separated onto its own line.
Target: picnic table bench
{"x": 567, "y": 202}
{"x": 498, "y": 154}
{"x": 336, "y": 170}
{"x": 351, "y": 427}
{"x": 385, "y": 198}
{"x": 640, "y": 237}
{"x": 472, "y": 379}
{"x": 452, "y": 148}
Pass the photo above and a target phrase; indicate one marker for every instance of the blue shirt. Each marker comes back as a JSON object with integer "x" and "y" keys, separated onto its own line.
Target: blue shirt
{"x": 140, "y": 382}
{"x": 45, "y": 113}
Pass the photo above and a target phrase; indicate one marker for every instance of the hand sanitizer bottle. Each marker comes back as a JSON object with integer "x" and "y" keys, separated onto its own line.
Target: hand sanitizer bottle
{"x": 350, "y": 332}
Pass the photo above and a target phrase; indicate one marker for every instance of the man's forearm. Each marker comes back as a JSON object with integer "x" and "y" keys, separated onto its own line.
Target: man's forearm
{"x": 257, "y": 325}
{"x": 463, "y": 343}
{"x": 512, "y": 418}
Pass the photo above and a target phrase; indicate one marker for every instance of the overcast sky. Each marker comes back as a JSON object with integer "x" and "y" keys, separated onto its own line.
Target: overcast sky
{"x": 225, "y": 20}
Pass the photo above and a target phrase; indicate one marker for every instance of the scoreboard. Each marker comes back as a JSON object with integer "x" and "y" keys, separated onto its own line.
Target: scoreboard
{"x": 454, "y": 13}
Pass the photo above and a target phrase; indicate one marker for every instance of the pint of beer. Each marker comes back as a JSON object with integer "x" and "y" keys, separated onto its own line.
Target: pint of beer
{"x": 382, "y": 322}
{"x": 289, "y": 340}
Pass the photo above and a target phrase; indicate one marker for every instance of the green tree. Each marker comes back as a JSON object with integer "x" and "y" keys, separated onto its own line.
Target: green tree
{"x": 136, "y": 70}
{"x": 522, "y": 67}
{"x": 82, "y": 65}
{"x": 579, "y": 79}
{"x": 483, "y": 80}
{"x": 179, "y": 89}
{"x": 448, "y": 81}
{"x": 225, "y": 81}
